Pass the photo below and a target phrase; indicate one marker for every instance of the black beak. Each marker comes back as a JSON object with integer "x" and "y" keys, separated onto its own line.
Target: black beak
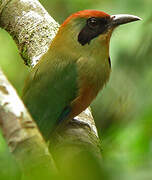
{"x": 120, "y": 19}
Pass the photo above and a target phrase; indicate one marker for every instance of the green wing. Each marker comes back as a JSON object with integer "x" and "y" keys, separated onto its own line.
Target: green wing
{"x": 49, "y": 90}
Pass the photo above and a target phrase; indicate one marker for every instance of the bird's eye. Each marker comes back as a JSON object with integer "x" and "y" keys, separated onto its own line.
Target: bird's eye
{"x": 92, "y": 22}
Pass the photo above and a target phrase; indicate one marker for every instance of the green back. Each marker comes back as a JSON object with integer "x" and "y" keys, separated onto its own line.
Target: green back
{"x": 49, "y": 90}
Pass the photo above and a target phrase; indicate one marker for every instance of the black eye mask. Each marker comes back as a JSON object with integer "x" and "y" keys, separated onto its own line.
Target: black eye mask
{"x": 93, "y": 28}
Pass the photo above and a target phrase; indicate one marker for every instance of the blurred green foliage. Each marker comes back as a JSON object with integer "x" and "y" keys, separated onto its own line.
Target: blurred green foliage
{"x": 8, "y": 167}
{"x": 123, "y": 110}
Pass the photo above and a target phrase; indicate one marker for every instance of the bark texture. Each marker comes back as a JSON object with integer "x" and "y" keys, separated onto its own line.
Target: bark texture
{"x": 30, "y": 25}
{"x": 21, "y": 133}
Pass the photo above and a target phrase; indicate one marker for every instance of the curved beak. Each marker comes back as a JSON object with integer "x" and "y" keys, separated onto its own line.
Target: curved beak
{"x": 120, "y": 19}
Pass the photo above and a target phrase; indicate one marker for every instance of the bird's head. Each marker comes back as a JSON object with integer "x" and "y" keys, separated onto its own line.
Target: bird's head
{"x": 87, "y": 27}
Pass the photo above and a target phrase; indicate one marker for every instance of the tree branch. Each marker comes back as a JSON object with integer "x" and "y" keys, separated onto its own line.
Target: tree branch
{"x": 21, "y": 133}
{"x": 30, "y": 25}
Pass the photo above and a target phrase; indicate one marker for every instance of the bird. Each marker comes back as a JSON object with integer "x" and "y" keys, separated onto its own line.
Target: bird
{"x": 74, "y": 70}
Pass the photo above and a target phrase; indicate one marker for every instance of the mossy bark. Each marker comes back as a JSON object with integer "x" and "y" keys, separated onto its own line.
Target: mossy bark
{"x": 22, "y": 135}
